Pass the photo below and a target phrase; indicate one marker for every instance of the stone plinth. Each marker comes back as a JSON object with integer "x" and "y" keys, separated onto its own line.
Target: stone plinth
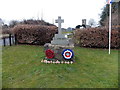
{"x": 58, "y": 49}
{"x": 60, "y": 39}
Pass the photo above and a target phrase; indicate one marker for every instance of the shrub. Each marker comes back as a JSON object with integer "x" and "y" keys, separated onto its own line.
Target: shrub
{"x": 34, "y": 34}
{"x": 6, "y": 31}
{"x": 97, "y": 37}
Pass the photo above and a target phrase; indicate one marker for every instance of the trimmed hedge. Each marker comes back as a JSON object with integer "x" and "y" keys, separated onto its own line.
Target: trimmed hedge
{"x": 97, "y": 38}
{"x": 34, "y": 34}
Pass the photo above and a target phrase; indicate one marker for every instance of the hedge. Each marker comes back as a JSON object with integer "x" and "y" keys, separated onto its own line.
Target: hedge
{"x": 97, "y": 38}
{"x": 34, "y": 34}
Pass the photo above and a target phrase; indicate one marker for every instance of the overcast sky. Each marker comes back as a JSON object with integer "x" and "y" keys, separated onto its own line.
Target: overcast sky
{"x": 72, "y": 11}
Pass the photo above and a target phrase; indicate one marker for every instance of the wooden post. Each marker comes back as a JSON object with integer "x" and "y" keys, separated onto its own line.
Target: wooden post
{"x": 15, "y": 39}
{"x": 4, "y": 42}
{"x": 10, "y": 39}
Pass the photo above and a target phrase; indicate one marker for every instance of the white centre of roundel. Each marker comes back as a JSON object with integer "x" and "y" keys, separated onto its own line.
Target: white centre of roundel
{"x": 67, "y": 54}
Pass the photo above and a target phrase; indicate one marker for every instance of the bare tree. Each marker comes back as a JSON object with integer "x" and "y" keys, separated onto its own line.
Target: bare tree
{"x": 1, "y": 21}
{"x": 13, "y": 23}
{"x": 92, "y": 22}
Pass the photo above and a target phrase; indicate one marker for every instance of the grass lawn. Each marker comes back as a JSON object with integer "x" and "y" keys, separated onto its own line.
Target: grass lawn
{"x": 93, "y": 68}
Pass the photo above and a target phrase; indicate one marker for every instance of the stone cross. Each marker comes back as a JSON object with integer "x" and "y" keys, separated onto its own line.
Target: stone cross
{"x": 59, "y": 21}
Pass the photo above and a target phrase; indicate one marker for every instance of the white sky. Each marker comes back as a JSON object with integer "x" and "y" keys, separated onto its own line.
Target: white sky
{"x": 72, "y": 11}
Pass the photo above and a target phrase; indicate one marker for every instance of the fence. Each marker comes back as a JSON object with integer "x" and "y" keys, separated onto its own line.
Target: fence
{"x": 8, "y": 40}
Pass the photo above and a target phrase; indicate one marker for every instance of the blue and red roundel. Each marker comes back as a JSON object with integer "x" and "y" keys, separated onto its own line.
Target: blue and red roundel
{"x": 67, "y": 54}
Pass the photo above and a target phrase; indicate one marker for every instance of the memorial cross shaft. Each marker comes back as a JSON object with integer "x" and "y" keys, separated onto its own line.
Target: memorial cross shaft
{"x": 59, "y": 21}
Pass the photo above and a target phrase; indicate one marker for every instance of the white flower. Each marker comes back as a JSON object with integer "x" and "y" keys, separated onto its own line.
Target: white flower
{"x": 71, "y": 62}
{"x": 42, "y": 61}
{"x": 68, "y": 62}
{"x": 62, "y": 62}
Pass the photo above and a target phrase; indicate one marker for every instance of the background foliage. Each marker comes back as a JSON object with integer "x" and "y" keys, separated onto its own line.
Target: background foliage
{"x": 96, "y": 37}
{"x": 34, "y": 34}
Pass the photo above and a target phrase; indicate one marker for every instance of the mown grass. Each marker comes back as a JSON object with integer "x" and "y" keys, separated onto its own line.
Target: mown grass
{"x": 94, "y": 68}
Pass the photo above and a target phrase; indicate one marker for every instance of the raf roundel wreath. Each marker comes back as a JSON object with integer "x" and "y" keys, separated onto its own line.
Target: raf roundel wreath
{"x": 67, "y": 54}
{"x": 49, "y": 54}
